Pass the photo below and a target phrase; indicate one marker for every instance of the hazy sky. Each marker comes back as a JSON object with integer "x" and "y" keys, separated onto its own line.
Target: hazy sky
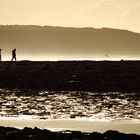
{"x": 124, "y": 14}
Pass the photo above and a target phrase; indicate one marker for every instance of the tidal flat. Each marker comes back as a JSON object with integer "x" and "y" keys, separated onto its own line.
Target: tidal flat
{"x": 97, "y": 76}
{"x": 84, "y": 96}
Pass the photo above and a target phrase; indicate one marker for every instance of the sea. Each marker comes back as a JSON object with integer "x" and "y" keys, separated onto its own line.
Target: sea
{"x": 70, "y": 104}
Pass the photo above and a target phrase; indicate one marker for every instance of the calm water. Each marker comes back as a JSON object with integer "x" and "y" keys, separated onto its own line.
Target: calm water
{"x": 66, "y": 104}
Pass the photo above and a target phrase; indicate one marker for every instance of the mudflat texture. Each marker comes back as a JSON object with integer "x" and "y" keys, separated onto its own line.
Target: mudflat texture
{"x": 72, "y": 75}
{"x": 38, "y": 134}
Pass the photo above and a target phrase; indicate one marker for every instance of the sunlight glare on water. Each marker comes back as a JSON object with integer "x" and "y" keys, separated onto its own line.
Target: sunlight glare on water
{"x": 70, "y": 105}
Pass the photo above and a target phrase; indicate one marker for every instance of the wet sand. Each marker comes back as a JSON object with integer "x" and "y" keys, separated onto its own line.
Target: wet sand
{"x": 76, "y": 125}
{"x": 100, "y": 76}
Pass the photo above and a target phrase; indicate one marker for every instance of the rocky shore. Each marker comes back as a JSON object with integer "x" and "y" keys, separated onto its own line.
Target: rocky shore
{"x": 106, "y": 76}
{"x": 110, "y": 88}
{"x": 8, "y": 133}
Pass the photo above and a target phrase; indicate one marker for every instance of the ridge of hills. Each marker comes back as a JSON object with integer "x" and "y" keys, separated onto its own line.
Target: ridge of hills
{"x": 46, "y": 40}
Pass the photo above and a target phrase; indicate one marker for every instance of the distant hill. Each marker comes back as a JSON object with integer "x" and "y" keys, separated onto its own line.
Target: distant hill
{"x": 46, "y": 40}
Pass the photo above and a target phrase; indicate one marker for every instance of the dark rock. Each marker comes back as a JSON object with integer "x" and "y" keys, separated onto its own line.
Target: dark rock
{"x": 38, "y": 134}
{"x": 100, "y": 76}
{"x": 115, "y": 135}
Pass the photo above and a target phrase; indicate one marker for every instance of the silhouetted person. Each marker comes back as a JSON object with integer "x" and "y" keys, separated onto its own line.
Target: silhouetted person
{"x": 14, "y": 55}
{"x": 0, "y": 55}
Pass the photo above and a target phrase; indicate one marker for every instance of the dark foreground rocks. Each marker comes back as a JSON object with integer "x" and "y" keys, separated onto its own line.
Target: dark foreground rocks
{"x": 100, "y": 76}
{"x": 7, "y": 133}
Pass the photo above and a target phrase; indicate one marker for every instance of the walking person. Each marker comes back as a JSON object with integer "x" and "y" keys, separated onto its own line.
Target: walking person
{"x": 0, "y": 56}
{"x": 14, "y": 55}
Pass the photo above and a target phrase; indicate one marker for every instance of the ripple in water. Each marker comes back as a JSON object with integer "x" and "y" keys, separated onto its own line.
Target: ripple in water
{"x": 66, "y": 104}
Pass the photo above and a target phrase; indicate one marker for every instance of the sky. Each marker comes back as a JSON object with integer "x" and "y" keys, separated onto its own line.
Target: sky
{"x": 118, "y": 14}
{"x": 122, "y": 14}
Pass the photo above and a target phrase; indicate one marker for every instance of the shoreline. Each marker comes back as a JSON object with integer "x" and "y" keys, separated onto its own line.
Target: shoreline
{"x": 101, "y": 76}
{"x": 123, "y": 126}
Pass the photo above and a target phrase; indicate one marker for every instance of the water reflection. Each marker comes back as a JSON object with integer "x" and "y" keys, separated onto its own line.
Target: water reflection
{"x": 66, "y": 104}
